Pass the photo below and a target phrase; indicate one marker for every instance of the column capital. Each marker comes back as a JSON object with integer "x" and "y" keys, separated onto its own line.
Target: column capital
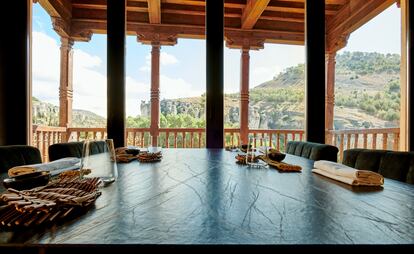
{"x": 66, "y": 43}
{"x": 151, "y": 38}
{"x": 244, "y": 43}
{"x": 156, "y": 45}
{"x": 61, "y": 26}
{"x": 334, "y": 44}
{"x": 245, "y": 51}
{"x": 330, "y": 56}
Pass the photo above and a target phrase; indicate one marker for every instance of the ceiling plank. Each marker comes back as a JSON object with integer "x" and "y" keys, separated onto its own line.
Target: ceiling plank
{"x": 154, "y": 11}
{"x": 252, "y": 12}
{"x": 55, "y": 8}
{"x": 351, "y": 17}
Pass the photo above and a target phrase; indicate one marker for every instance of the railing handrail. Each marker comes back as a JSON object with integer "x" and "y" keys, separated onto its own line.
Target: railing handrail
{"x": 86, "y": 129}
{"x": 365, "y": 131}
{"x": 283, "y": 131}
{"x": 48, "y": 128}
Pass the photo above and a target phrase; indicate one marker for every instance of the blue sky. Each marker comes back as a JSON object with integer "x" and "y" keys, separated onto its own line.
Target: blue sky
{"x": 182, "y": 65}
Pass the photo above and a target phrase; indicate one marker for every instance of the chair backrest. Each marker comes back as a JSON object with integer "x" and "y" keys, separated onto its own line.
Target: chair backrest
{"x": 18, "y": 155}
{"x": 313, "y": 151}
{"x": 73, "y": 149}
{"x": 395, "y": 165}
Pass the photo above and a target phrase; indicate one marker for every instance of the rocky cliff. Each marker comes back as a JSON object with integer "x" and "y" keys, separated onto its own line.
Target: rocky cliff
{"x": 48, "y": 114}
{"x": 361, "y": 78}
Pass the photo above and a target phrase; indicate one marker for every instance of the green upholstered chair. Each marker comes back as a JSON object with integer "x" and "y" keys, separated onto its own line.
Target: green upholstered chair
{"x": 18, "y": 155}
{"x": 73, "y": 149}
{"x": 313, "y": 151}
{"x": 394, "y": 165}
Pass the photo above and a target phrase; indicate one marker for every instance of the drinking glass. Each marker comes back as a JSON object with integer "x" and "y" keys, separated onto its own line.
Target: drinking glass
{"x": 254, "y": 147}
{"x": 99, "y": 157}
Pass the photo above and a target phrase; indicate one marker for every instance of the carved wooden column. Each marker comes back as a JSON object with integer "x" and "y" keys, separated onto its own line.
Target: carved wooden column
{"x": 244, "y": 95}
{"x": 330, "y": 92}
{"x": 155, "y": 92}
{"x": 66, "y": 82}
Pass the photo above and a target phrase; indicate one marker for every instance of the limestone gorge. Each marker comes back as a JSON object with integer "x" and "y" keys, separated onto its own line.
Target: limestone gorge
{"x": 367, "y": 95}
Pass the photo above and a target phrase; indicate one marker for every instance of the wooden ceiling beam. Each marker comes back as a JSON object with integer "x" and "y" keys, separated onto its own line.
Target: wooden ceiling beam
{"x": 201, "y": 3}
{"x": 351, "y": 17}
{"x": 154, "y": 11}
{"x": 296, "y": 10}
{"x": 252, "y": 12}
{"x": 340, "y": 2}
{"x": 60, "y": 13}
{"x": 80, "y": 28}
{"x": 55, "y": 8}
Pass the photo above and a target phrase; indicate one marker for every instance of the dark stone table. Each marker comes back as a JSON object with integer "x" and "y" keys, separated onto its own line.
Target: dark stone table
{"x": 201, "y": 196}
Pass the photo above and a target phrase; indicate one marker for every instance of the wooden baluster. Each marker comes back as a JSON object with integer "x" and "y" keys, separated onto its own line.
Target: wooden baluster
{"x": 38, "y": 140}
{"x": 293, "y": 136}
{"x": 270, "y": 139}
{"x": 384, "y": 141}
{"x": 232, "y": 138}
{"x": 184, "y": 144}
{"x": 301, "y": 136}
{"x": 396, "y": 141}
{"x": 278, "y": 141}
{"x": 134, "y": 136}
{"x": 142, "y": 139}
{"x": 175, "y": 139}
{"x": 365, "y": 140}
{"x": 167, "y": 137}
{"x": 285, "y": 141}
{"x": 341, "y": 146}
{"x": 374, "y": 141}
{"x": 356, "y": 140}
{"x": 191, "y": 139}
{"x": 261, "y": 140}
{"x": 348, "y": 141}
{"x": 45, "y": 140}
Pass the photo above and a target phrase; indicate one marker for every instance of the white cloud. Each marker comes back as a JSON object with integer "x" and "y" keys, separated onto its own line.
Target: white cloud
{"x": 165, "y": 59}
{"x": 89, "y": 84}
{"x": 135, "y": 93}
{"x": 168, "y": 59}
{"x": 46, "y": 57}
{"x": 172, "y": 88}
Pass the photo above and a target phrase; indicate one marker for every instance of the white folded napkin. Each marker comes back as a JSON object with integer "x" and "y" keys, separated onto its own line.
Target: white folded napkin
{"x": 55, "y": 167}
{"x": 347, "y": 174}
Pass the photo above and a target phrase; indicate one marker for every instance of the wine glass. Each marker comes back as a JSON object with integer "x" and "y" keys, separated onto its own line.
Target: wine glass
{"x": 99, "y": 160}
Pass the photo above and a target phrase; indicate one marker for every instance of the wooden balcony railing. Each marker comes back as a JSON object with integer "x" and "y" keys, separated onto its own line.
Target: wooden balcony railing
{"x": 387, "y": 139}
{"x": 44, "y": 136}
{"x": 186, "y": 137}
